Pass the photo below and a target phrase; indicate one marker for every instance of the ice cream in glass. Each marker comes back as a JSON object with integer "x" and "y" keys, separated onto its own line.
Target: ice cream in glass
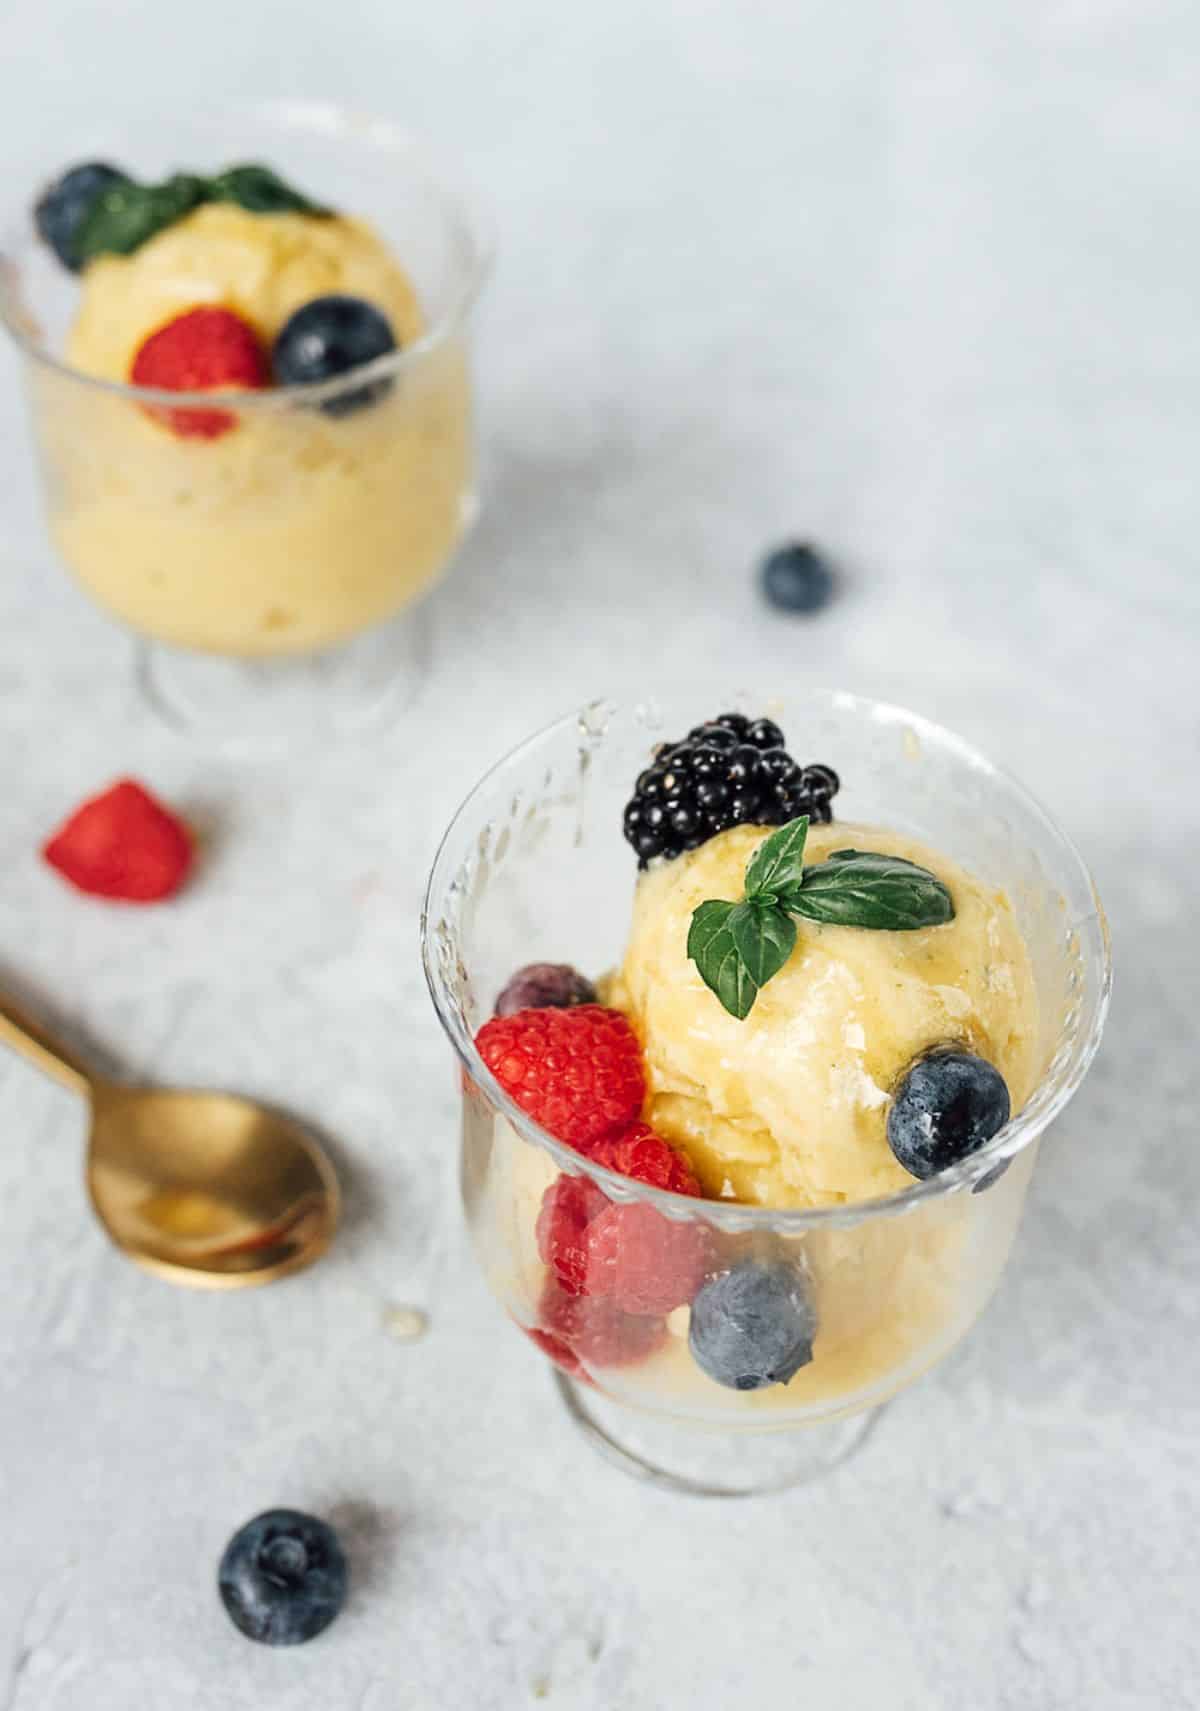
{"x": 250, "y": 391}
{"x": 762, "y": 1011}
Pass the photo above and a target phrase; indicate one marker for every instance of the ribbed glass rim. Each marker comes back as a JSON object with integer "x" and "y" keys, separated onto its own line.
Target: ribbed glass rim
{"x": 334, "y": 121}
{"x": 1052, "y": 1093}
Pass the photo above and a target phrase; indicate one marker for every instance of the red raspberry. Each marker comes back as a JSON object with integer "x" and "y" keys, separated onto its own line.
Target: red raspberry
{"x": 643, "y": 1262}
{"x": 568, "y": 1206}
{"x": 123, "y": 844}
{"x": 629, "y": 1254}
{"x": 576, "y": 1072}
{"x": 592, "y": 1333}
{"x": 643, "y": 1154}
{"x": 203, "y": 350}
{"x": 559, "y": 1352}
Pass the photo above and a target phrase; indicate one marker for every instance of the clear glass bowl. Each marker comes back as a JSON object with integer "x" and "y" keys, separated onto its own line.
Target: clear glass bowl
{"x": 301, "y": 528}
{"x": 534, "y": 868}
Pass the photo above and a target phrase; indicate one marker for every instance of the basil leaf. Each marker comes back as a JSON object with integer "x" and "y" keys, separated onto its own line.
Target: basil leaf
{"x": 125, "y": 216}
{"x": 859, "y": 888}
{"x": 261, "y": 191}
{"x": 778, "y": 864}
{"x": 711, "y": 947}
{"x": 763, "y": 937}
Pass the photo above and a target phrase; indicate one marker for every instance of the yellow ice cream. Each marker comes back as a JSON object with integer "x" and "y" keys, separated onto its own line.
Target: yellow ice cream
{"x": 295, "y": 529}
{"x": 262, "y": 266}
{"x": 787, "y": 1108}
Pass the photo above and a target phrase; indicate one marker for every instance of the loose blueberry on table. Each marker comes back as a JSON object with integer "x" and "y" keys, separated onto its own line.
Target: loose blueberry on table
{"x": 796, "y": 578}
{"x": 282, "y": 1577}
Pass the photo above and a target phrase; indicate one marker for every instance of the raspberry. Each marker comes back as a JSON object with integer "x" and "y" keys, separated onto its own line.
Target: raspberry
{"x": 629, "y": 1254}
{"x": 576, "y": 1072}
{"x": 643, "y": 1262}
{"x": 569, "y": 1205}
{"x": 123, "y": 844}
{"x": 594, "y": 1333}
{"x": 203, "y": 350}
{"x": 643, "y": 1154}
{"x": 559, "y": 1352}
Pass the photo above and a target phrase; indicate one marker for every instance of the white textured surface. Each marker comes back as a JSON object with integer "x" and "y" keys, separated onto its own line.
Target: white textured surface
{"x": 917, "y": 279}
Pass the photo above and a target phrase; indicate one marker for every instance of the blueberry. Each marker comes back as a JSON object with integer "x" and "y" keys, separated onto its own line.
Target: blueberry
{"x": 545, "y": 986}
{"x": 754, "y": 1325}
{"x": 796, "y": 578}
{"x": 282, "y": 1577}
{"x": 63, "y": 206}
{"x": 946, "y": 1107}
{"x": 328, "y": 337}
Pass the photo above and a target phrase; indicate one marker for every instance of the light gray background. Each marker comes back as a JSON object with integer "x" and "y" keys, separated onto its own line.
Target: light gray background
{"x": 915, "y": 278}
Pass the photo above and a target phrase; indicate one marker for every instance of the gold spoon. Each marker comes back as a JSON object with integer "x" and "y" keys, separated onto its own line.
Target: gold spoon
{"x": 201, "y": 1188}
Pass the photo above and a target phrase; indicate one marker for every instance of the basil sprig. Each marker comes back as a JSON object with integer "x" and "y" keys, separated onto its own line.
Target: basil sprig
{"x": 738, "y": 947}
{"x": 126, "y": 214}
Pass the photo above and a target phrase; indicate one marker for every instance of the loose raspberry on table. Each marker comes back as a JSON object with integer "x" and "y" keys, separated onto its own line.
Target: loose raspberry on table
{"x": 124, "y": 845}
{"x": 577, "y": 1072}
{"x": 202, "y": 350}
{"x": 629, "y": 1254}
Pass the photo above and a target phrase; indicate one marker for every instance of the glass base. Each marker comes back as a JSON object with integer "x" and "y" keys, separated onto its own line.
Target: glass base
{"x": 278, "y": 703}
{"x": 701, "y": 1463}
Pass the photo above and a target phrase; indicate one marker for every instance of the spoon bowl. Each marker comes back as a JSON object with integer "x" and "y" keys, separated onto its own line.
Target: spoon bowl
{"x": 208, "y": 1188}
{"x": 205, "y": 1189}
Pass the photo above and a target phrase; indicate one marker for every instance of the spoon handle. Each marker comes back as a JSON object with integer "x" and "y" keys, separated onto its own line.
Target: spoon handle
{"x": 19, "y": 1030}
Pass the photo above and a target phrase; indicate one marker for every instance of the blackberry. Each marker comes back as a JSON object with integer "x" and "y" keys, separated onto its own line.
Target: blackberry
{"x": 731, "y": 771}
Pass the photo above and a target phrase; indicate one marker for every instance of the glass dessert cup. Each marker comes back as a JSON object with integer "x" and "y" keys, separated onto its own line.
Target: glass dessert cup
{"x": 534, "y": 868}
{"x": 270, "y": 573}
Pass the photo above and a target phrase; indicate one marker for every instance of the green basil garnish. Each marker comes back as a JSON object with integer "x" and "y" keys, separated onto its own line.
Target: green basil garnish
{"x": 738, "y": 947}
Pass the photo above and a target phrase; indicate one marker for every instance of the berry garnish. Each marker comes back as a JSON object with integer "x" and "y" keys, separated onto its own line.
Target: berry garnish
{"x": 947, "y": 1106}
{"x": 733, "y": 771}
{"x": 282, "y": 1577}
{"x": 63, "y": 206}
{"x": 123, "y": 845}
{"x": 624, "y": 1252}
{"x": 330, "y": 336}
{"x": 203, "y": 350}
{"x": 576, "y": 1072}
{"x": 579, "y": 1332}
{"x": 569, "y": 1206}
{"x": 641, "y": 1153}
{"x": 796, "y": 578}
{"x": 545, "y": 986}
{"x": 753, "y": 1326}
{"x": 642, "y": 1261}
